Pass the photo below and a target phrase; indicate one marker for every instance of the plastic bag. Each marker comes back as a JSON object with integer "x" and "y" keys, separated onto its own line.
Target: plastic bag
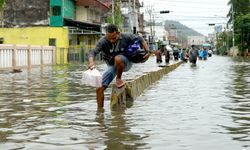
{"x": 92, "y": 78}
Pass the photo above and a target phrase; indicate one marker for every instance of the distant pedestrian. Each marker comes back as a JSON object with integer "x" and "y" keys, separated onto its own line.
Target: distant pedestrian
{"x": 163, "y": 50}
{"x": 193, "y": 54}
{"x": 200, "y": 56}
{"x": 158, "y": 56}
{"x": 210, "y": 52}
{"x": 184, "y": 55}
{"x": 205, "y": 54}
{"x": 175, "y": 53}
{"x": 167, "y": 55}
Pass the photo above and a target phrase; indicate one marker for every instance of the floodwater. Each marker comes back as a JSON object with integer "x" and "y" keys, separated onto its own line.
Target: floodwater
{"x": 192, "y": 108}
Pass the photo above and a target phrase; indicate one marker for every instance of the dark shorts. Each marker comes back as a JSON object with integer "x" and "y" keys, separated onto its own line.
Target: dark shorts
{"x": 110, "y": 72}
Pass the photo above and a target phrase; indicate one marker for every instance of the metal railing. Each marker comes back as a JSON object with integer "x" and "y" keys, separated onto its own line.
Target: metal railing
{"x": 25, "y": 56}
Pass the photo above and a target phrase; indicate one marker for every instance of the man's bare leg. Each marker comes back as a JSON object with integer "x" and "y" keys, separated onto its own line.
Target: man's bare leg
{"x": 119, "y": 70}
{"x": 100, "y": 97}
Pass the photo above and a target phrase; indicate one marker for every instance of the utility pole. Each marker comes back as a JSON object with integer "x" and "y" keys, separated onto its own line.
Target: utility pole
{"x": 134, "y": 20}
{"x": 150, "y": 12}
{"x": 129, "y": 15}
{"x": 233, "y": 24}
{"x": 113, "y": 11}
{"x": 152, "y": 24}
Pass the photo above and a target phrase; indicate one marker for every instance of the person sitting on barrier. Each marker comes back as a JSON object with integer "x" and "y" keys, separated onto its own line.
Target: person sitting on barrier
{"x": 112, "y": 47}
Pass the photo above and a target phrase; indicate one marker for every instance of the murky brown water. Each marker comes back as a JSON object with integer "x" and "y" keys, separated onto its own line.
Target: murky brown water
{"x": 207, "y": 107}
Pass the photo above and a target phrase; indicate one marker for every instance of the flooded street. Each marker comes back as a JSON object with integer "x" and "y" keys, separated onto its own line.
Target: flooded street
{"x": 206, "y": 107}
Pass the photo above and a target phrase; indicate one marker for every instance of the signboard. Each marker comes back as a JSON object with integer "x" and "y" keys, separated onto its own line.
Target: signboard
{"x": 218, "y": 28}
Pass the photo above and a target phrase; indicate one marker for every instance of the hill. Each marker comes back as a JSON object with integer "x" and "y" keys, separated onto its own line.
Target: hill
{"x": 181, "y": 28}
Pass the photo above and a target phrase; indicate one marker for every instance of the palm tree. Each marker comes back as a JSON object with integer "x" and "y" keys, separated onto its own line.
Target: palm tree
{"x": 238, "y": 7}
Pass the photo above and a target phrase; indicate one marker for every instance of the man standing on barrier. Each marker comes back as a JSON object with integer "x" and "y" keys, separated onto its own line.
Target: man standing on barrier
{"x": 113, "y": 46}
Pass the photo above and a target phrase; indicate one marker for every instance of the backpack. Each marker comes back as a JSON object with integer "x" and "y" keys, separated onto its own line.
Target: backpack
{"x": 134, "y": 51}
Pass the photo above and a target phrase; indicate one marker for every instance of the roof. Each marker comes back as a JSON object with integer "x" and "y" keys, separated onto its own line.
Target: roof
{"x": 107, "y": 2}
{"x": 82, "y": 25}
{"x": 206, "y": 44}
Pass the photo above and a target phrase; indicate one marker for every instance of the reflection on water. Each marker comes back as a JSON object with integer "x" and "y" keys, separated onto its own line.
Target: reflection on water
{"x": 205, "y": 107}
{"x": 117, "y": 132}
{"x": 239, "y": 105}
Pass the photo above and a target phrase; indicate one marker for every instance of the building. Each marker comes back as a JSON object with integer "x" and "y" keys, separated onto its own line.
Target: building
{"x": 133, "y": 21}
{"x": 66, "y": 24}
{"x": 196, "y": 40}
{"x": 159, "y": 33}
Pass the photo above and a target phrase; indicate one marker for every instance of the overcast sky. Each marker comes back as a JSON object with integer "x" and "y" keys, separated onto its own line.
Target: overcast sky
{"x": 196, "y": 14}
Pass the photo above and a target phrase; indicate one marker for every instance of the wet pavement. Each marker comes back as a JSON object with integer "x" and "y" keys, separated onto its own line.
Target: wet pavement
{"x": 204, "y": 107}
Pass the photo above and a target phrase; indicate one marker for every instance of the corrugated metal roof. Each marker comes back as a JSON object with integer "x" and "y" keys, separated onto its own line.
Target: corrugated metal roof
{"x": 82, "y": 25}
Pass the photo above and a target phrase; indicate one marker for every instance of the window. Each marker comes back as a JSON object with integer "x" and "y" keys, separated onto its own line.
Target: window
{"x": 70, "y": 42}
{"x": 78, "y": 41}
{"x": 52, "y": 42}
{"x": 1, "y": 40}
{"x": 56, "y": 10}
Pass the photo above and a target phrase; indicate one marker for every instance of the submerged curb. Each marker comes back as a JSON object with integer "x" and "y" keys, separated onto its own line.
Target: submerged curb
{"x": 124, "y": 97}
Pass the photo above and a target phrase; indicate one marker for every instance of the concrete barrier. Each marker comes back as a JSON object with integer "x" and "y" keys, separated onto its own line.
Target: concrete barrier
{"x": 124, "y": 97}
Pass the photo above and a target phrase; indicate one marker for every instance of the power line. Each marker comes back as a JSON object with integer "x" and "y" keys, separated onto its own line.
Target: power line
{"x": 189, "y": 2}
{"x": 184, "y": 1}
{"x": 199, "y": 7}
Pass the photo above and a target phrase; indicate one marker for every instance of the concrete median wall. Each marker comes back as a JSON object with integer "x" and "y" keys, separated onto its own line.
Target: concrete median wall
{"x": 124, "y": 97}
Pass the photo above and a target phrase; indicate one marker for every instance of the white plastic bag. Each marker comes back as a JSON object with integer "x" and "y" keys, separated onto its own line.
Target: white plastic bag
{"x": 92, "y": 78}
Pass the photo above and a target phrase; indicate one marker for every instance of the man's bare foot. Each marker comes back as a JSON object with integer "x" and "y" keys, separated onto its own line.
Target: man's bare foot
{"x": 100, "y": 110}
{"x": 119, "y": 83}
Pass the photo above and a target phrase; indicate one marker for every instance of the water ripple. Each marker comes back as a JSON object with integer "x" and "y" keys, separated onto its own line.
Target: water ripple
{"x": 206, "y": 107}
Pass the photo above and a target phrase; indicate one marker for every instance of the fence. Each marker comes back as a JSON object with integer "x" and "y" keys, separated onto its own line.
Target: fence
{"x": 25, "y": 56}
{"x": 79, "y": 55}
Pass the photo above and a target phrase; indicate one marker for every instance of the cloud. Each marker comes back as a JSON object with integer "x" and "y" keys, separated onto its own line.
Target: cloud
{"x": 196, "y": 14}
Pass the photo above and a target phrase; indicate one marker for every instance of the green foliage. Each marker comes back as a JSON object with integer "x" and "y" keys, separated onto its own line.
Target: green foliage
{"x": 238, "y": 7}
{"x": 1, "y": 4}
{"x": 222, "y": 43}
{"x": 159, "y": 43}
{"x": 240, "y": 17}
{"x": 242, "y": 30}
{"x": 118, "y": 18}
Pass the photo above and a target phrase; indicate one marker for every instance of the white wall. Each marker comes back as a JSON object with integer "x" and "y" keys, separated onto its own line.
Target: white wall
{"x": 81, "y": 13}
{"x": 196, "y": 40}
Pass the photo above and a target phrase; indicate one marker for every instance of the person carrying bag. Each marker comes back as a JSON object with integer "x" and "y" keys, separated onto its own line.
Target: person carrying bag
{"x": 113, "y": 46}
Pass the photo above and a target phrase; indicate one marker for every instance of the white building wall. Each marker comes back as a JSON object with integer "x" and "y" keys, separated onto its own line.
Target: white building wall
{"x": 158, "y": 31}
{"x": 133, "y": 16}
{"x": 196, "y": 40}
{"x": 90, "y": 15}
{"x": 81, "y": 13}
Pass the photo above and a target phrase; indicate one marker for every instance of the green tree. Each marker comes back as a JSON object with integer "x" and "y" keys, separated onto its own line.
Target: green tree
{"x": 221, "y": 44}
{"x": 118, "y": 18}
{"x": 239, "y": 16}
{"x": 238, "y": 7}
{"x": 242, "y": 33}
{"x": 1, "y": 4}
